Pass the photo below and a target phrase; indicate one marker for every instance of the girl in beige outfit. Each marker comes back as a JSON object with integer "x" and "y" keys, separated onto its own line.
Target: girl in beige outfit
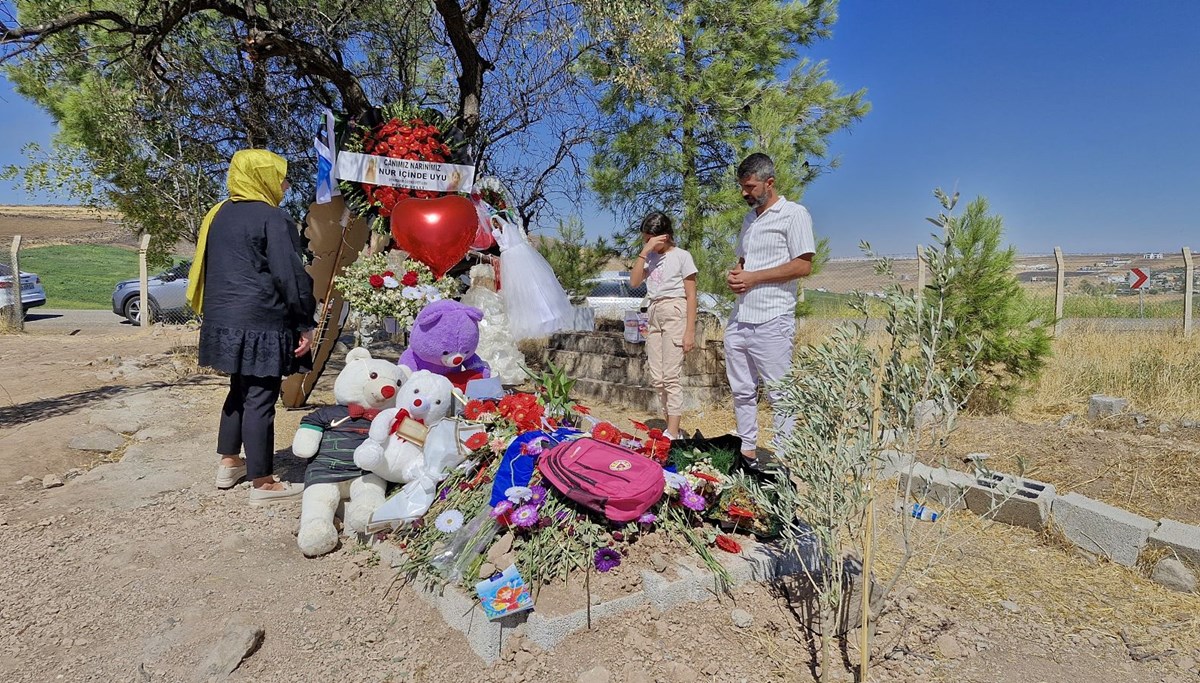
{"x": 670, "y": 276}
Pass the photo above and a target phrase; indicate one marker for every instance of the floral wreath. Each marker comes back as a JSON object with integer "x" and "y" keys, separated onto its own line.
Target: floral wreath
{"x": 372, "y": 287}
{"x": 402, "y": 132}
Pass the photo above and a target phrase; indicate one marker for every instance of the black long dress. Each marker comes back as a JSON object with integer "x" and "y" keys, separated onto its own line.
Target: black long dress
{"x": 257, "y": 295}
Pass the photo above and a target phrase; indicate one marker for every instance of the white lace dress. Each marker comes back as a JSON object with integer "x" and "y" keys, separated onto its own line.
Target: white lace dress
{"x": 496, "y": 345}
{"x": 536, "y": 303}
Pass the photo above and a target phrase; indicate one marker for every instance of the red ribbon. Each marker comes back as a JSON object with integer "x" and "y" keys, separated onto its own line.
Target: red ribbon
{"x": 401, "y": 415}
{"x": 358, "y": 412}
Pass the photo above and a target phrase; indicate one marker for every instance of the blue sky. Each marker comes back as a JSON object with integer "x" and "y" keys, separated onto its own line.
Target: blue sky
{"x": 1076, "y": 119}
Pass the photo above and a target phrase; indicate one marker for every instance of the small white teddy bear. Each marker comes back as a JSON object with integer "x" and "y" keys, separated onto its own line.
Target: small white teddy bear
{"x": 425, "y": 397}
{"x": 329, "y": 436}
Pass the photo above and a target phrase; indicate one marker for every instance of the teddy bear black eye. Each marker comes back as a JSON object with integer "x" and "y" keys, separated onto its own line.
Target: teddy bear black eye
{"x": 445, "y": 353}
{"x": 416, "y": 391}
{"x": 374, "y": 375}
{"x": 438, "y": 402}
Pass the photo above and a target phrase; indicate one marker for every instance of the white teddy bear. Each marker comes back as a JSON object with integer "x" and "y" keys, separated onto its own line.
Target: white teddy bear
{"x": 330, "y": 435}
{"x": 425, "y": 397}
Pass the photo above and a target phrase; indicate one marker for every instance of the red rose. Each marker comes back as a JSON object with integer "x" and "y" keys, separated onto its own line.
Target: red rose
{"x": 376, "y": 281}
{"x": 409, "y": 279}
{"x": 388, "y": 273}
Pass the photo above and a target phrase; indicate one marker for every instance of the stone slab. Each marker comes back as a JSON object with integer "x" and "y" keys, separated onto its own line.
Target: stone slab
{"x": 1011, "y": 500}
{"x": 1101, "y": 406}
{"x": 1175, "y": 575}
{"x": 1183, "y": 539}
{"x": 1101, "y": 528}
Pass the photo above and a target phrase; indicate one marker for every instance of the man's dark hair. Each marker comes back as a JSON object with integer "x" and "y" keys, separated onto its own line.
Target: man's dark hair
{"x": 758, "y": 165}
{"x": 657, "y": 223}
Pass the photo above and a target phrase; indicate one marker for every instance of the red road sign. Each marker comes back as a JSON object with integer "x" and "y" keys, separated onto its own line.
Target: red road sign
{"x": 1138, "y": 277}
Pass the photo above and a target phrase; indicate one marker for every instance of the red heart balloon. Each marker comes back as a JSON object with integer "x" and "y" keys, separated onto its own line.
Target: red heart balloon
{"x": 436, "y": 232}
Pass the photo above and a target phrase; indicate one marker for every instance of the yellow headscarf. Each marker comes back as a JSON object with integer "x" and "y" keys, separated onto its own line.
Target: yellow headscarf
{"x": 255, "y": 175}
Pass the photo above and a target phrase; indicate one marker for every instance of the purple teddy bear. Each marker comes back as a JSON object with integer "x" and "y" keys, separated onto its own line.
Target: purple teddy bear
{"x": 443, "y": 340}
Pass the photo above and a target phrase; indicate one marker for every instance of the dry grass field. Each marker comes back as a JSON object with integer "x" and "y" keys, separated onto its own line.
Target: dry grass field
{"x": 46, "y": 225}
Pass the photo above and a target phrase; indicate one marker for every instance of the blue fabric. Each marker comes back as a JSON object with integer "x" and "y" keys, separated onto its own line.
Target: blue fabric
{"x": 325, "y": 181}
{"x": 516, "y": 468}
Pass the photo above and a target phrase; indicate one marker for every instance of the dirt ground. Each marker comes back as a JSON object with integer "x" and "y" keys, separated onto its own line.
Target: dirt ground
{"x": 136, "y": 567}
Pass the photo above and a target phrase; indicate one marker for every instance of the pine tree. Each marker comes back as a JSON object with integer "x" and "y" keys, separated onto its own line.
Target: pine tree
{"x": 992, "y": 314}
{"x": 690, "y": 87}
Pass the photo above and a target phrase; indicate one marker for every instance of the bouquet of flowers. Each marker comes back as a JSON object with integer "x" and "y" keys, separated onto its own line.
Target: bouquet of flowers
{"x": 373, "y": 288}
{"x": 404, "y": 133}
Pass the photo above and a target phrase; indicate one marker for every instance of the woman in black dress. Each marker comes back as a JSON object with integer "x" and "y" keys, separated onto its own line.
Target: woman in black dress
{"x": 249, "y": 282}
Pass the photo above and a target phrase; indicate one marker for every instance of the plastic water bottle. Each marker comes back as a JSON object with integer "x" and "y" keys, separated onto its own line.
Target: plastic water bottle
{"x": 922, "y": 513}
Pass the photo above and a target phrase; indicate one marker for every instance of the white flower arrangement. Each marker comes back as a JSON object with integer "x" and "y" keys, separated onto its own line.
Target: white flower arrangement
{"x": 374, "y": 287}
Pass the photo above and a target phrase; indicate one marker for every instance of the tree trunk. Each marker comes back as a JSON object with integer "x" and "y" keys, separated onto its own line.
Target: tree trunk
{"x": 471, "y": 64}
{"x": 690, "y": 148}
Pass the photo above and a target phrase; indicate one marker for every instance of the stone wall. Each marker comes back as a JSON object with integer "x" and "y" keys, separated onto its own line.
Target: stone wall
{"x": 609, "y": 369}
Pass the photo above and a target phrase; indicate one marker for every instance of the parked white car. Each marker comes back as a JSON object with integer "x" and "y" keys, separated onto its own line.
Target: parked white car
{"x": 32, "y": 292}
{"x": 167, "y": 294}
{"x": 612, "y": 296}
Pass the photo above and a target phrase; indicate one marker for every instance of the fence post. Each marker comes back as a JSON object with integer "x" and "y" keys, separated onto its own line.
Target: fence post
{"x": 920, "y": 269}
{"x": 16, "y": 311}
{"x": 1060, "y": 285}
{"x": 1187, "y": 291}
{"x": 144, "y": 285}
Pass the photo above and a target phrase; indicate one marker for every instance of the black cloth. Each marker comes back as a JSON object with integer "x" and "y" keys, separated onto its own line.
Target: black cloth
{"x": 248, "y": 419}
{"x": 334, "y": 461}
{"x": 257, "y": 295}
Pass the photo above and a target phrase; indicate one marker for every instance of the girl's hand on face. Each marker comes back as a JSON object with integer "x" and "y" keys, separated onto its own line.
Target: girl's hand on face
{"x": 655, "y": 244}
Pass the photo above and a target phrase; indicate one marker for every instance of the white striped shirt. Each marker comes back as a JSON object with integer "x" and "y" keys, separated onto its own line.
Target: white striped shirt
{"x": 781, "y": 234}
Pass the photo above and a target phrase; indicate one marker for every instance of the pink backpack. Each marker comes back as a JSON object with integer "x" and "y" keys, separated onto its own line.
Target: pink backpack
{"x": 606, "y": 478}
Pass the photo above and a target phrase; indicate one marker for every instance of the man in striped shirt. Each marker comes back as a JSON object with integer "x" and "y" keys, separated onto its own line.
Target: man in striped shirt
{"x": 775, "y": 249}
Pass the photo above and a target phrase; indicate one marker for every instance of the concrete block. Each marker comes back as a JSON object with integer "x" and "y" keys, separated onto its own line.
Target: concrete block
{"x": 770, "y": 561}
{"x": 1011, "y": 500}
{"x": 548, "y": 632}
{"x": 1183, "y": 539}
{"x": 1101, "y": 406}
{"x": 1101, "y": 528}
{"x": 693, "y": 585}
{"x": 893, "y": 462}
{"x": 944, "y": 488}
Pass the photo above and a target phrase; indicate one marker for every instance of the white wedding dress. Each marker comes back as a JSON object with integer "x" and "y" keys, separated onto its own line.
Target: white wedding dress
{"x": 496, "y": 345}
{"x": 535, "y": 301}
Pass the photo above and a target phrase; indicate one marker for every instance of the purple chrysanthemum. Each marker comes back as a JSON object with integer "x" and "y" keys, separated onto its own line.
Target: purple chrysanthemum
{"x": 525, "y": 516}
{"x": 502, "y": 508}
{"x": 648, "y": 518}
{"x": 537, "y": 494}
{"x": 692, "y": 500}
{"x": 606, "y": 559}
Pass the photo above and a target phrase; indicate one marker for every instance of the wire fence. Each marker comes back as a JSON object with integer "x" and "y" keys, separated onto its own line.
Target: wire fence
{"x": 1131, "y": 291}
